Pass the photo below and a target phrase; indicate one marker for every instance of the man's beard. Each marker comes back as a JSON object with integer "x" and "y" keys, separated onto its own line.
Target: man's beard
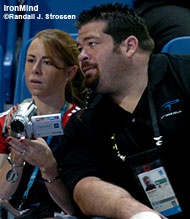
{"x": 92, "y": 82}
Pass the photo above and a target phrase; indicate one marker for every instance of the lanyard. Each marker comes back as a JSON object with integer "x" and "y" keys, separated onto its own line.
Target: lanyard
{"x": 36, "y": 169}
{"x": 157, "y": 137}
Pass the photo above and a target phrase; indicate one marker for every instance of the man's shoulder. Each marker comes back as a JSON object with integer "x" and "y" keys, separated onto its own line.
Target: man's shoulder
{"x": 170, "y": 63}
{"x": 170, "y": 68}
{"x": 167, "y": 58}
{"x": 179, "y": 60}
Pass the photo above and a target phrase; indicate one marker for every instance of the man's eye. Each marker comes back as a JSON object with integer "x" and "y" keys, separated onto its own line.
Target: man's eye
{"x": 92, "y": 44}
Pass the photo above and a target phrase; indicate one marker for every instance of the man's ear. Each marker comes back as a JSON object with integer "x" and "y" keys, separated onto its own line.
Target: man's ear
{"x": 131, "y": 45}
{"x": 71, "y": 71}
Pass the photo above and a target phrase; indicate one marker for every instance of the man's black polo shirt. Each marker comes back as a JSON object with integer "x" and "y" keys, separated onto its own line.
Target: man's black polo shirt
{"x": 88, "y": 144}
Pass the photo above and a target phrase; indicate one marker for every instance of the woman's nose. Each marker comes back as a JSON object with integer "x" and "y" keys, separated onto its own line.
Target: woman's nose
{"x": 37, "y": 68}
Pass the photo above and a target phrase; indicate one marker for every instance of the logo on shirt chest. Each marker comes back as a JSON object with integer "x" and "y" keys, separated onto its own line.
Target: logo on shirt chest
{"x": 171, "y": 108}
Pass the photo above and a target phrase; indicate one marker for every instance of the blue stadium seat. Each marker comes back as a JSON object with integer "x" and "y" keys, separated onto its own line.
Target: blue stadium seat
{"x": 21, "y": 90}
{"x": 59, "y": 7}
{"x": 1, "y": 81}
{"x": 74, "y": 35}
{"x": 8, "y": 44}
{"x": 179, "y": 45}
{"x": 3, "y": 25}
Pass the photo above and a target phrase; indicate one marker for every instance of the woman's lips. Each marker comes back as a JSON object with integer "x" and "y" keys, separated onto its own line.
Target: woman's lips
{"x": 33, "y": 81}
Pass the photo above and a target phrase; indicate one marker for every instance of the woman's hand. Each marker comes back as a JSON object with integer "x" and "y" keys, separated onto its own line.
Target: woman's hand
{"x": 9, "y": 207}
{"x": 14, "y": 157}
{"x": 35, "y": 152}
{"x": 9, "y": 118}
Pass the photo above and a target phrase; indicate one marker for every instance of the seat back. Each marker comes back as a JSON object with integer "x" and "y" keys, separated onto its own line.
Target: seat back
{"x": 179, "y": 45}
{"x": 8, "y": 43}
{"x": 3, "y": 25}
{"x": 21, "y": 91}
{"x": 1, "y": 81}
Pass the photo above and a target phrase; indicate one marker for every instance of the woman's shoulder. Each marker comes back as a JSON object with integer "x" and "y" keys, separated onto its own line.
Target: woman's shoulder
{"x": 72, "y": 110}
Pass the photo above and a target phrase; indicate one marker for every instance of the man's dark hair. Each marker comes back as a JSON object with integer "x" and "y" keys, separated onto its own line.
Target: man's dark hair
{"x": 121, "y": 23}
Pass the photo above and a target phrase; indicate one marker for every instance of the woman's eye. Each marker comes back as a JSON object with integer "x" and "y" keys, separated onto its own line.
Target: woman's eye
{"x": 80, "y": 49}
{"x": 30, "y": 60}
{"x": 47, "y": 63}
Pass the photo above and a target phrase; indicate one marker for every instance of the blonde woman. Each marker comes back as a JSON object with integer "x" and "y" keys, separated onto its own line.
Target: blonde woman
{"x": 56, "y": 84}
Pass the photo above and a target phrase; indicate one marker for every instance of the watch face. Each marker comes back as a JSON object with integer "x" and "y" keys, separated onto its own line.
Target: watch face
{"x": 12, "y": 176}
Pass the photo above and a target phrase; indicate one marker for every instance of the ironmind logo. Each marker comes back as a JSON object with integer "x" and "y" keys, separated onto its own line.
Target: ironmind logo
{"x": 171, "y": 108}
{"x": 20, "y": 8}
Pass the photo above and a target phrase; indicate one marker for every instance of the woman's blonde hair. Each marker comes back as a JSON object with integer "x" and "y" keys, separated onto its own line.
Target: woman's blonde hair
{"x": 62, "y": 46}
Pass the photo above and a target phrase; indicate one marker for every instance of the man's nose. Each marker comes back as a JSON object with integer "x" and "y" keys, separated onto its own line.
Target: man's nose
{"x": 84, "y": 55}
